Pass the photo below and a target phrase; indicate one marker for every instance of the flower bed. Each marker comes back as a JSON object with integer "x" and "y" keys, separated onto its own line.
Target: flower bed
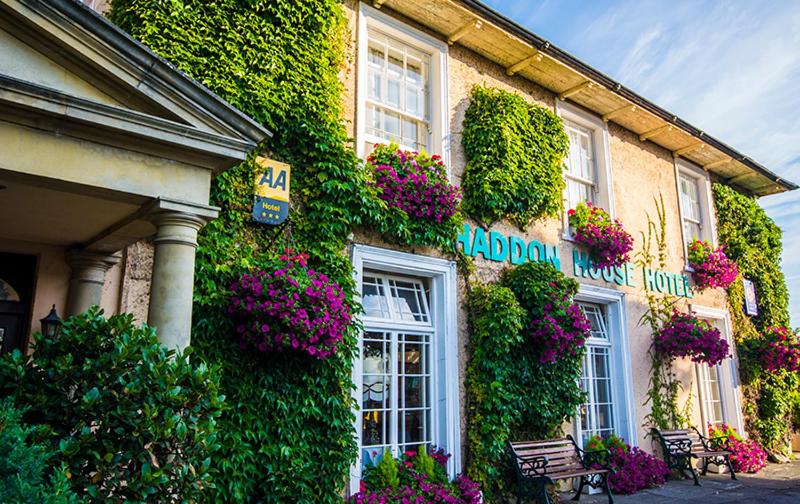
{"x": 780, "y": 349}
{"x": 634, "y": 469}
{"x": 292, "y": 307}
{"x": 687, "y": 336}
{"x": 414, "y": 183}
{"x": 416, "y": 477}
{"x": 608, "y": 243}
{"x": 747, "y": 455}
{"x": 712, "y": 268}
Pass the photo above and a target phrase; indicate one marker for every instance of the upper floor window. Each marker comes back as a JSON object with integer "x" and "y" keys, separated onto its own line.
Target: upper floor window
{"x": 401, "y": 76}
{"x": 695, "y": 203}
{"x": 580, "y": 171}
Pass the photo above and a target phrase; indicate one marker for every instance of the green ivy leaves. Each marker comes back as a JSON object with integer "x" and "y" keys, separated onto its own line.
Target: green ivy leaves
{"x": 515, "y": 153}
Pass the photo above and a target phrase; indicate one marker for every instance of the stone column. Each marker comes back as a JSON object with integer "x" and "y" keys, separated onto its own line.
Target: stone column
{"x": 88, "y": 276}
{"x": 173, "y": 276}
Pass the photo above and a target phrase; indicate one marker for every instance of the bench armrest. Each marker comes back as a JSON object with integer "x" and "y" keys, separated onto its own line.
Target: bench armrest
{"x": 712, "y": 443}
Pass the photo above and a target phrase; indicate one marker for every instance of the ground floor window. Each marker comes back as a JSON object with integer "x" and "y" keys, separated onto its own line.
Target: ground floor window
{"x": 711, "y": 394}
{"x": 717, "y": 386}
{"x": 407, "y": 374}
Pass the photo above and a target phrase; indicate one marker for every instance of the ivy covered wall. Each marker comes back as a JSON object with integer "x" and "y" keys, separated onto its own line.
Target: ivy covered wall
{"x": 753, "y": 240}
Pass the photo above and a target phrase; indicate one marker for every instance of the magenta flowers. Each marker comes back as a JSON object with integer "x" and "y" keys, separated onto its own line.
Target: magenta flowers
{"x": 561, "y": 331}
{"x": 780, "y": 349}
{"x": 687, "y": 336}
{"x": 712, "y": 268}
{"x": 414, "y": 183}
{"x": 634, "y": 469}
{"x": 747, "y": 455}
{"x": 290, "y": 308}
{"x": 608, "y": 243}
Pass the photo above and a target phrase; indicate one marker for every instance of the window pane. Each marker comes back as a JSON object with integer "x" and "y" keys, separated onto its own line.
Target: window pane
{"x": 691, "y": 230}
{"x": 373, "y": 297}
{"x": 597, "y": 415}
{"x": 410, "y": 301}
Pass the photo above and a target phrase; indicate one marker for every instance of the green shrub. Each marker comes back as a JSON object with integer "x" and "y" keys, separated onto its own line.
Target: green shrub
{"x": 129, "y": 419}
{"x": 24, "y": 463}
{"x": 515, "y": 152}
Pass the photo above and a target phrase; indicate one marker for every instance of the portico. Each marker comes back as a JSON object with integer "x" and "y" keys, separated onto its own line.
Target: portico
{"x": 104, "y": 144}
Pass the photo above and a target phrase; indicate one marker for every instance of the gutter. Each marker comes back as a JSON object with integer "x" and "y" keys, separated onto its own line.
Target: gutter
{"x": 572, "y": 62}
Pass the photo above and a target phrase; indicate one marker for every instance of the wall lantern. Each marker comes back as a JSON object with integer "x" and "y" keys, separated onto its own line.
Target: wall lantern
{"x": 51, "y": 324}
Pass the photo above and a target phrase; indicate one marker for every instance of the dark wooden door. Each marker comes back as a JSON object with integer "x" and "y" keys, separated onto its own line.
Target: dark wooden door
{"x": 17, "y": 273}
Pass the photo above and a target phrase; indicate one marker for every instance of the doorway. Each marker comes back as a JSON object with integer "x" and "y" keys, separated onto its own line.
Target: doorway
{"x": 17, "y": 274}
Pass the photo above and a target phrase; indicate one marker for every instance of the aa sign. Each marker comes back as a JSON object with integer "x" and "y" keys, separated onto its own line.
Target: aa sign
{"x": 271, "y": 201}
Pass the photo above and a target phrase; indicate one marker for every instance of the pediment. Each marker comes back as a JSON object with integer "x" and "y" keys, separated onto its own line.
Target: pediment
{"x": 65, "y": 49}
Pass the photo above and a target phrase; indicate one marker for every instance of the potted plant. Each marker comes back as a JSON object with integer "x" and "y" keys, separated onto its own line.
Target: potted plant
{"x": 747, "y": 455}
{"x": 710, "y": 266}
{"x": 608, "y": 243}
{"x": 685, "y": 335}
{"x": 291, "y": 307}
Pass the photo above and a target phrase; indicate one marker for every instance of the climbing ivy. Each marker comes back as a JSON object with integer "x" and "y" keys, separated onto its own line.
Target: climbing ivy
{"x": 511, "y": 394}
{"x": 753, "y": 241}
{"x": 515, "y": 152}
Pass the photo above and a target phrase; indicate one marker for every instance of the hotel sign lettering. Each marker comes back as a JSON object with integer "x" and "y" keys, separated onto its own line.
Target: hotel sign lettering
{"x": 494, "y": 246}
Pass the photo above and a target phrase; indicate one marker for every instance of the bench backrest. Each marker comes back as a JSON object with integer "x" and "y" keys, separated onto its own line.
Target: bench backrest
{"x": 562, "y": 455}
{"x": 691, "y": 434}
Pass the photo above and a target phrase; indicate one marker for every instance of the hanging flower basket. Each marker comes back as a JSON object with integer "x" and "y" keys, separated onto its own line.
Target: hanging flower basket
{"x": 712, "y": 268}
{"x": 608, "y": 243}
{"x": 415, "y": 183}
{"x": 290, "y": 308}
{"x": 687, "y": 336}
{"x": 561, "y": 332}
{"x": 780, "y": 349}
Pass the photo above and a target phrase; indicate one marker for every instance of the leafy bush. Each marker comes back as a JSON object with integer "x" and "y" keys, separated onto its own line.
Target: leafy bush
{"x": 293, "y": 307}
{"x": 515, "y": 155}
{"x": 24, "y": 463}
{"x": 712, "y": 268}
{"x": 423, "y": 207}
{"x": 414, "y": 477}
{"x": 130, "y": 419}
{"x": 634, "y": 469}
{"x": 747, "y": 455}
{"x": 608, "y": 243}
{"x": 684, "y": 335}
{"x": 492, "y": 409}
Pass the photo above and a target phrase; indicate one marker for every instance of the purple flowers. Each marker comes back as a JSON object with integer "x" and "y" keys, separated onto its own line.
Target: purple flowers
{"x": 687, "y": 336}
{"x": 292, "y": 307}
{"x": 419, "y": 480}
{"x": 561, "y": 331}
{"x": 780, "y": 349}
{"x": 634, "y": 469}
{"x": 414, "y": 183}
{"x": 712, "y": 268}
{"x": 608, "y": 243}
{"x": 747, "y": 455}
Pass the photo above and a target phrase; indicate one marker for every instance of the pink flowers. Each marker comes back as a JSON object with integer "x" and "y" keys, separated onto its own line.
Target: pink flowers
{"x": 561, "y": 331}
{"x": 712, "y": 268}
{"x": 418, "y": 479}
{"x": 747, "y": 455}
{"x": 687, "y": 336}
{"x": 414, "y": 183}
{"x": 292, "y": 307}
{"x": 608, "y": 243}
{"x": 634, "y": 469}
{"x": 780, "y": 350}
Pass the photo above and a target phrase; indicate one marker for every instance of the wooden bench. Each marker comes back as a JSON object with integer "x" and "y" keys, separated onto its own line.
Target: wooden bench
{"x": 540, "y": 463}
{"x": 681, "y": 446}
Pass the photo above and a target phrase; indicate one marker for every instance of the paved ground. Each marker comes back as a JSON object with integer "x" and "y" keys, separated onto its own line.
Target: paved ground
{"x": 775, "y": 484}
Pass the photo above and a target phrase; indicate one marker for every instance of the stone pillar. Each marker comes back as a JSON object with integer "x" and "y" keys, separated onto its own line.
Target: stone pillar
{"x": 88, "y": 276}
{"x": 170, "y": 309}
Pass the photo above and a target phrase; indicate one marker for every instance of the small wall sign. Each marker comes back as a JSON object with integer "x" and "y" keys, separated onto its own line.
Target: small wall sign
{"x": 750, "y": 301}
{"x": 271, "y": 200}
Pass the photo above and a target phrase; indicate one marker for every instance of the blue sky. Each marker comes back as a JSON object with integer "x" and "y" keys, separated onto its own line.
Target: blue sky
{"x": 731, "y": 68}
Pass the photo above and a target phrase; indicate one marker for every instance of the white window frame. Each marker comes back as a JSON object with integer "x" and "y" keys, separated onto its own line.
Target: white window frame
{"x": 624, "y": 409}
{"x": 707, "y": 216}
{"x": 371, "y": 18}
{"x": 441, "y": 274}
{"x": 728, "y": 374}
{"x": 604, "y": 182}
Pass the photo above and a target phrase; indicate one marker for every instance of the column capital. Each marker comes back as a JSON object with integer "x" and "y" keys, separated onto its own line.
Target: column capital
{"x": 176, "y": 227}
{"x": 90, "y": 266}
